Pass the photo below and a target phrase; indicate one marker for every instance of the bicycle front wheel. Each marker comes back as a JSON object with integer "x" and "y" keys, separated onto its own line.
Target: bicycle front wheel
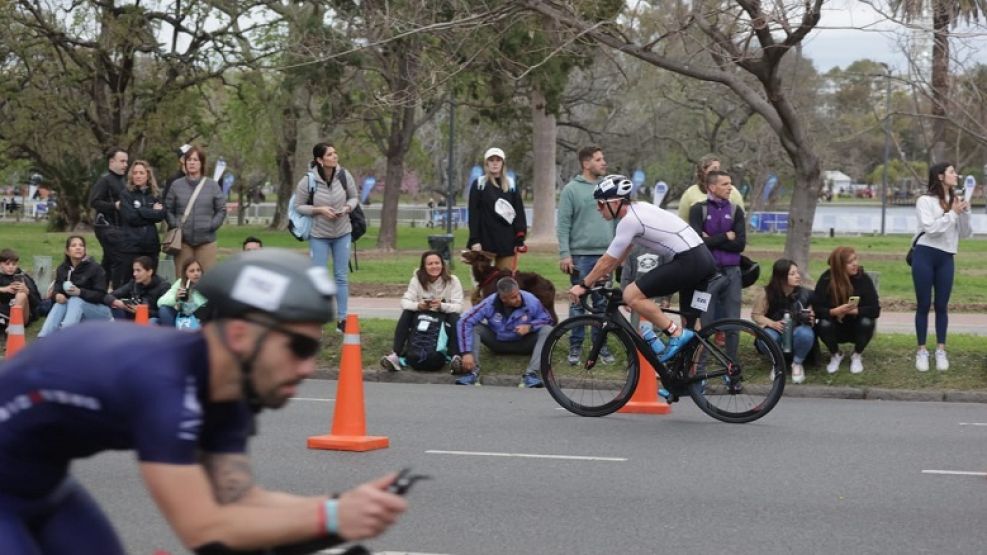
{"x": 740, "y": 376}
{"x": 582, "y": 386}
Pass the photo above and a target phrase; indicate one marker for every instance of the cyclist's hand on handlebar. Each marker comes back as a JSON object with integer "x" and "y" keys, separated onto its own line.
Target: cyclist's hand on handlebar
{"x": 368, "y": 509}
{"x": 577, "y": 291}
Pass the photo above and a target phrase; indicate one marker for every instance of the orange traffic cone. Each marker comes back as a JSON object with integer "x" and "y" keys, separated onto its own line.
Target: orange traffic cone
{"x": 349, "y": 424}
{"x": 15, "y": 331}
{"x": 645, "y": 398}
{"x": 142, "y": 315}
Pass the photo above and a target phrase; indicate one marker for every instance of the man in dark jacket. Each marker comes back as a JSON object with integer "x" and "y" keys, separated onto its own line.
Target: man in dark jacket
{"x": 723, "y": 228}
{"x": 104, "y": 198}
{"x": 16, "y": 289}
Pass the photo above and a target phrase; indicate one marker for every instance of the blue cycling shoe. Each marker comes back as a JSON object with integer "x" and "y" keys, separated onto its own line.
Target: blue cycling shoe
{"x": 675, "y": 345}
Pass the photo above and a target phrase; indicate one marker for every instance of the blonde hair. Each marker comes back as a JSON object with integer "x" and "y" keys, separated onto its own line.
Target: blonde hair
{"x": 489, "y": 177}
{"x": 151, "y": 182}
{"x": 702, "y": 168}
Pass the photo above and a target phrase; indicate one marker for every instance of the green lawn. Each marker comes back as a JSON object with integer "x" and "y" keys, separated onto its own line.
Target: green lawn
{"x": 884, "y": 255}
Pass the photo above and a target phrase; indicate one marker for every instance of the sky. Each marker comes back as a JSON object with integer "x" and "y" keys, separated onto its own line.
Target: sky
{"x": 850, "y": 30}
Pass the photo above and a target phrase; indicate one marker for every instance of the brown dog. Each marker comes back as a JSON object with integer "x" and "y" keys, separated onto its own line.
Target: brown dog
{"x": 486, "y": 275}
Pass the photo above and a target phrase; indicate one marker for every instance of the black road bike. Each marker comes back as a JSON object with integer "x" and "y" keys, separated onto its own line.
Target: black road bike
{"x": 732, "y": 369}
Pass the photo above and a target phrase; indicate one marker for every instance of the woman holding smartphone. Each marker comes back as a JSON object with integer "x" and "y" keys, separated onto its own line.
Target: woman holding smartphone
{"x": 943, "y": 219}
{"x": 182, "y": 299}
{"x": 78, "y": 289}
{"x": 847, "y": 307}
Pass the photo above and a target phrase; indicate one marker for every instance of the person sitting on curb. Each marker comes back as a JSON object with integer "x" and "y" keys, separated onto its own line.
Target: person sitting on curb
{"x": 16, "y": 289}
{"x": 847, "y": 307}
{"x": 435, "y": 292}
{"x": 785, "y": 294}
{"x": 510, "y": 321}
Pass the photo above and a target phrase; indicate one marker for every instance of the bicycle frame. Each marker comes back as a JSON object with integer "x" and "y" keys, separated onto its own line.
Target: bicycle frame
{"x": 612, "y": 318}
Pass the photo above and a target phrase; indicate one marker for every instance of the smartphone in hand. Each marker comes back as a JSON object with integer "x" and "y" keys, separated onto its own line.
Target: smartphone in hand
{"x": 854, "y": 300}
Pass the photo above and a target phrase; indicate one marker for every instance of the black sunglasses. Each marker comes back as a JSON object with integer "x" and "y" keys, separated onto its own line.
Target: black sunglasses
{"x": 301, "y": 345}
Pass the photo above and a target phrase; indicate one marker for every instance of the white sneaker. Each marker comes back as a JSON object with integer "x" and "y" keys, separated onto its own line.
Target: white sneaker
{"x": 856, "y": 363}
{"x": 922, "y": 361}
{"x": 942, "y": 363}
{"x": 798, "y": 373}
{"x": 834, "y": 362}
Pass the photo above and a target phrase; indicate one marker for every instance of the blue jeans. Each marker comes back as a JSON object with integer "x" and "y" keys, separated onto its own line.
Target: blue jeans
{"x": 725, "y": 295}
{"x": 320, "y": 249}
{"x": 802, "y": 339}
{"x": 583, "y": 263}
{"x": 72, "y": 312}
{"x": 932, "y": 269}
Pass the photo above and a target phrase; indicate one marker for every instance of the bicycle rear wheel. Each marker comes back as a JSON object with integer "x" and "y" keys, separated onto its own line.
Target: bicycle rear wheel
{"x": 748, "y": 372}
{"x": 581, "y": 388}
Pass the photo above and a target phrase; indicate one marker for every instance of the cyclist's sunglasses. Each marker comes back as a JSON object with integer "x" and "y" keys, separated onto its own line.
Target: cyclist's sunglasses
{"x": 301, "y": 345}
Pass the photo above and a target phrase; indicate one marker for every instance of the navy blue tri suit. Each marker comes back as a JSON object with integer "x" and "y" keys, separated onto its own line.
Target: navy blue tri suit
{"x": 92, "y": 388}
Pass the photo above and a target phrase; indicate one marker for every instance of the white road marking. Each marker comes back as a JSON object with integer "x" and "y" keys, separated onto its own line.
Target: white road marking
{"x": 973, "y": 423}
{"x": 339, "y": 550}
{"x": 316, "y": 399}
{"x": 525, "y": 455}
{"x": 955, "y": 472}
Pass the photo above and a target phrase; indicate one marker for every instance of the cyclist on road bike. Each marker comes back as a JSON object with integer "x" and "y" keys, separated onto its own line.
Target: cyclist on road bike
{"x": 184, "y": 401}
{"x": 661, "y": 232}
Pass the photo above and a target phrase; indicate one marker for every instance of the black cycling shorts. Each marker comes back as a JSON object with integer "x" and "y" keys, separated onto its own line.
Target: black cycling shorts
{"x": 688, "y": 271}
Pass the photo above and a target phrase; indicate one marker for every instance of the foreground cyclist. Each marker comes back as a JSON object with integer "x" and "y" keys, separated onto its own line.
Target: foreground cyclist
{"x": 663, "y": 233}
{"x": 184, "y": 402}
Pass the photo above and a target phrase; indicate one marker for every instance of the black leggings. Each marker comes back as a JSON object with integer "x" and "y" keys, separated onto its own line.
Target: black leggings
{"x": 858, "y": 331}
{"x": 407, "y": 319}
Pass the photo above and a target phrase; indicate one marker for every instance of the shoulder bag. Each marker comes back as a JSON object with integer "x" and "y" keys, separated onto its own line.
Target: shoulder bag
{"x": 172, "y": 243}
{"x": 911, "y": 250}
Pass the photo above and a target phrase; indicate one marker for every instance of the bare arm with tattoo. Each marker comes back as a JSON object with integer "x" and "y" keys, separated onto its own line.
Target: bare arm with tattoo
{"x": 217, "y": 502}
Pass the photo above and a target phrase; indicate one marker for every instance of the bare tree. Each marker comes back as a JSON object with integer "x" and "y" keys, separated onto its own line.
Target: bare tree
{"x": 716, "y": 41}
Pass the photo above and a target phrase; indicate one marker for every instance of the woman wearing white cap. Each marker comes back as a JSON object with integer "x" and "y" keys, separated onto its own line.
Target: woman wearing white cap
{"x": 496, "y": 211}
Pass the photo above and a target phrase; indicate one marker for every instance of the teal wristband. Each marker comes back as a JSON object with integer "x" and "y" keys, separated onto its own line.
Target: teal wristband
{"x": 332, "y": 516}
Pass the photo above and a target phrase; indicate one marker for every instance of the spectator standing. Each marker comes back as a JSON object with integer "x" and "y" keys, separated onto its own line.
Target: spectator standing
{"x": 183, "y": 299}
{"x": 145, "y": 288}
{"x": 583, "y": 237}
{"x": 431, "y": 289}
{"x": 510, "y": 321}
{"x": 496, "y": 212}
{"x": 16, "y": 289}
{"x": 697, "y": 192}
{"x": 334, "y": 199}
{"x": 723, "y": 228}
{"x": 847, "y": 307}
{"x": 141, "y": 210}
{"x": 105, "y": 199}
{"x": 78, "y": 289}
{"x": 943, "y": 219}
{"x": 206, "y": 216}
{"x": 785, "y": 294}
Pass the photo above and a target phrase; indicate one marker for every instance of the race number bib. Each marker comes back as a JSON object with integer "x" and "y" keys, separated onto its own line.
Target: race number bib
{"x": 700, "y": 300}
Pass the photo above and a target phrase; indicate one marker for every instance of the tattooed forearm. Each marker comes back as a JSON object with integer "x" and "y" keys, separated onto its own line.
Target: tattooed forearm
{"x": 230, "y": 476}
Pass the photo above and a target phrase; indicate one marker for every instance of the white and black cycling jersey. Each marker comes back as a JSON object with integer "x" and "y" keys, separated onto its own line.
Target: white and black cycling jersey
{"x": 657, "y": 230}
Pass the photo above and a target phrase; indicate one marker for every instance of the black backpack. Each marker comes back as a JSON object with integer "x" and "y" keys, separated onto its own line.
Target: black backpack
{"x": 427, "y": 343}
{"x": 358, "y": 220}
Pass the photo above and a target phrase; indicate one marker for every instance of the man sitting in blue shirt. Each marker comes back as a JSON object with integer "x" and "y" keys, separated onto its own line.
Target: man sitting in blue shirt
{"x": 510, "y": 321}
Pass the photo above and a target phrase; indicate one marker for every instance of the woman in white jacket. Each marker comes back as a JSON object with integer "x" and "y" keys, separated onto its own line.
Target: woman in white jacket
{"x": 943, "y": 218}
{"x": 431, "y": 289}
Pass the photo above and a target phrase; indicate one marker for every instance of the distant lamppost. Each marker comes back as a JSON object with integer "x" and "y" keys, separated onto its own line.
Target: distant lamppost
{"x": 887, "y": 145}
{"x": 451, "y": 170}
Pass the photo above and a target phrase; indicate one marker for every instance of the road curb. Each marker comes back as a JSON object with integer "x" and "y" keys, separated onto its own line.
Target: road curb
{"x": 802, "y": 391}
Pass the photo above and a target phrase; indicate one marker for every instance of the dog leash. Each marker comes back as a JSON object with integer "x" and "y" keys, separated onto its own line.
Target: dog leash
{"x": 517, "y": 258}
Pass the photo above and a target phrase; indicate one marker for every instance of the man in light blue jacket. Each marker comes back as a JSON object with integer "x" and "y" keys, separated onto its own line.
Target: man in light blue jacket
{"x": 510, "y": 321}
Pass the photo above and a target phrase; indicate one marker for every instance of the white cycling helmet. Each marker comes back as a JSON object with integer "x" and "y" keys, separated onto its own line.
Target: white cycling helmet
{"x": 612, "y": 187}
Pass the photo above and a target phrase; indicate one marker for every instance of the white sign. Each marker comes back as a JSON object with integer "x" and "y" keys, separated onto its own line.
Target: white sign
{"x": 661, "y": 189}
{"x": 969, "y": 186}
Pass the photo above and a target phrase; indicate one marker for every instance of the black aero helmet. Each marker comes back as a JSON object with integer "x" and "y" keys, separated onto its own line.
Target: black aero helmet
{"x": 613, "y": 186}
{"x": 281, "y": 284}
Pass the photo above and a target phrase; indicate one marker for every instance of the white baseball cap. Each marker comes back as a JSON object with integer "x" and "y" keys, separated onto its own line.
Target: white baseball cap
{"x": 494, "y": 152}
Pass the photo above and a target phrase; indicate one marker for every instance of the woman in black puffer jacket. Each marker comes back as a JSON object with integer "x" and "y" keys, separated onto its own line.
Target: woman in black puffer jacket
{"x": 141, "y": 209}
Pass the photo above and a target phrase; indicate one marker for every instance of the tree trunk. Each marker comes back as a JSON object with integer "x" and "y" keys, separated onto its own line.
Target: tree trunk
{"x": 802, "y": 209}
{"x": 940, "y": 79}
{"x": 402, "y": 126}
{"x": 545, "y": 132}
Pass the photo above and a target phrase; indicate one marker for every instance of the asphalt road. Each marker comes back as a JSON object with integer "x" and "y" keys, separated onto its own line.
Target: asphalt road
{"x": 814, "y": 476}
